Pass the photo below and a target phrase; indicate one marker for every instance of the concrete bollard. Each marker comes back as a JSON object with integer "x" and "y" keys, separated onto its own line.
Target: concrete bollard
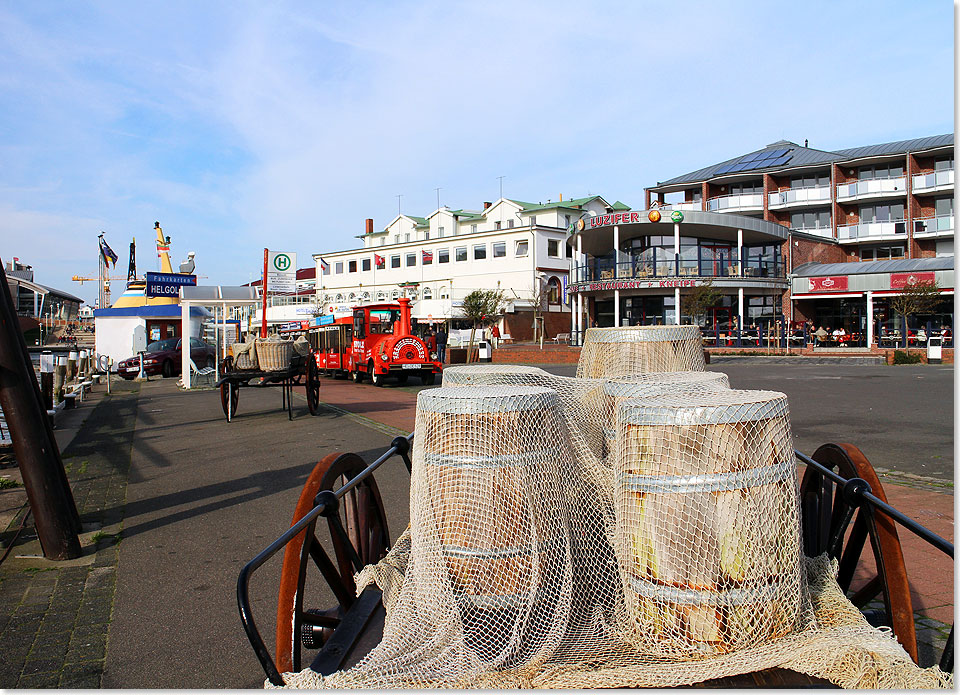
{"x": 83, "y": 366}
{"x": 72, "y": 365}
{"x": 47, "y": 367}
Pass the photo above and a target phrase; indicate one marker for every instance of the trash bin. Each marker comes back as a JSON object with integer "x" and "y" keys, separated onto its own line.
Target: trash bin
{"x": 457, "y": 355}
{"x": 934, "y": 349}
{"x": 485, "y": 353}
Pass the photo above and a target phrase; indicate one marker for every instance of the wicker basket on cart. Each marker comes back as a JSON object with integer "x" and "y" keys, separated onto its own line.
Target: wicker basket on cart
{"x": 244, "y": 355}
{"x": 274, "y": 355}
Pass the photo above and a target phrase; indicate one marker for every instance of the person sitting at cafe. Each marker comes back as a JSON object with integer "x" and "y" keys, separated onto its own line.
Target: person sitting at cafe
{"x": 945, "y": 334}
{"x": 821, "y": 335}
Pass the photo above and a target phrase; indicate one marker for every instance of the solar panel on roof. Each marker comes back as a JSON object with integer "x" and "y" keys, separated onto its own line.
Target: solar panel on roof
{"x": 773, "y": 154}
{"x": 723, "y": 170}
{"x": 751, "y": 157}
{"x": 780, "y": 161}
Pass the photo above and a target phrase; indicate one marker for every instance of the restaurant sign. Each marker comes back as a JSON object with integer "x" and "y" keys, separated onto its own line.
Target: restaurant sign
{"x": 605, "y": 285}
{"x": 900, "y": 280}
{"x": 836, "y": 283}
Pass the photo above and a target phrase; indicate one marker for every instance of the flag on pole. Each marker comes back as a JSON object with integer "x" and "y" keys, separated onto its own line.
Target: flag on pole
{"x": 324, "y": 266}
{"x": 427, "y": 256}
{"x": 378, "y": 261}
{"x": 107, "y": 253}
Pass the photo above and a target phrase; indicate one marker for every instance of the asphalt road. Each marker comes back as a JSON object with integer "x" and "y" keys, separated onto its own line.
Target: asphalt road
{"x": 901, "y": 417}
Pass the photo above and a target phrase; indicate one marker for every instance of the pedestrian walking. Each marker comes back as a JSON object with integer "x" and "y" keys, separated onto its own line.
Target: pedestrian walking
{"x": 442, "y": 344}
{"x": 431, "y": 342}
{"x": 495, "y": 335}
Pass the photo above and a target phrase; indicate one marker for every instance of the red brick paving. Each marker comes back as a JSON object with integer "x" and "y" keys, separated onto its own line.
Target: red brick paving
{"x": 930, "y": 571}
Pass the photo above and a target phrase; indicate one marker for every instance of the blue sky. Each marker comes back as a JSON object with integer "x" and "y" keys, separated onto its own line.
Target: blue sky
{"x": 240, "y": 125}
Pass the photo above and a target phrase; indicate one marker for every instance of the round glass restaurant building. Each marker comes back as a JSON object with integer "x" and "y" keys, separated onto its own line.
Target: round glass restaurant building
{"x": 631, "y": 268}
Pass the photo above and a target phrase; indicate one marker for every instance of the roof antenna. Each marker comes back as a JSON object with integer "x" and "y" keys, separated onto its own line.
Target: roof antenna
{"x": 806, "y": 142}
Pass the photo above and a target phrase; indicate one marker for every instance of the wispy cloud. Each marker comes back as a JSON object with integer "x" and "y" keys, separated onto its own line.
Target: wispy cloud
{"x": 239, "y": 125}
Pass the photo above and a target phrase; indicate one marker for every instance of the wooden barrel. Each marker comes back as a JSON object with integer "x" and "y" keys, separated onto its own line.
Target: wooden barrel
{"x": 707, "y": 521}
{"x": 646, "y": 386}
{"x": 611, "y": 352}
{"x": 491, "y": 459}
{"x": 492, "y": 375}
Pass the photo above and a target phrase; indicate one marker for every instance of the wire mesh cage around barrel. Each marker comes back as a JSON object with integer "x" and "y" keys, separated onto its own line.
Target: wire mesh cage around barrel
{"x": 487, "y": 507}
{"x": 647, "y": 385}
{"x": 707, "y": 521}
{"x": 611, "y": 352}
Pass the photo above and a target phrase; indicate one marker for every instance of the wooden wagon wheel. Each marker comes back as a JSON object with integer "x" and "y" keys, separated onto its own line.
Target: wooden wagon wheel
{"x": 313, "y": 385}
{"x": 229, "y": 397}
{"x": 362, "y": 517}
{"x": 826, "y": 511}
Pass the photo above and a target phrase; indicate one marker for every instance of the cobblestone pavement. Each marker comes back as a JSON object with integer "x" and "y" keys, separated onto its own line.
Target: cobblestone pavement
{"x": 55, "y": 617}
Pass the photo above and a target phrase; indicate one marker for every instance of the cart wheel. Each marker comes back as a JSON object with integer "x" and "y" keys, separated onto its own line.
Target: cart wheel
{"x": 234, "y": 396}
{"x": 376, "y": 379}
{"x": 356, "y": 375}
{"x": 363, "y": 519}
{"x": 313, "y": 387}
{"x": 823, "y": 507}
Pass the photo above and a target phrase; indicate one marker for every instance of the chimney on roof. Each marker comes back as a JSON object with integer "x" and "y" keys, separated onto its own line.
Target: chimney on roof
{"x": 806, "y": 143}
{"x": 369, "y": 225}
{"x": 561, "y": 197}
{"x": 486, "y": 205}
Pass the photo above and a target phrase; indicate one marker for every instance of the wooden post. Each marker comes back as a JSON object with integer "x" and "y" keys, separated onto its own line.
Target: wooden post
{"x": 48, "y": 491}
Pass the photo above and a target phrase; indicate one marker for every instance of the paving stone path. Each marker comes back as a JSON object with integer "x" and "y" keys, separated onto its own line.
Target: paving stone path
{"x": 55, "y": 617}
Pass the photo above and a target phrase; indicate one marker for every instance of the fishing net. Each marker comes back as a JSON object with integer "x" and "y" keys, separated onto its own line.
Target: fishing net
{"x": 640, "y": 349}
{"x": 534, "y": 559}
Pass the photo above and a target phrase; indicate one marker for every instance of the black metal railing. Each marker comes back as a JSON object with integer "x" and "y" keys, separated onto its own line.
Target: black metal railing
{"x": 325, "y": 505}
{"x": 857, "y": 493}
{"x": 722, "y": 266}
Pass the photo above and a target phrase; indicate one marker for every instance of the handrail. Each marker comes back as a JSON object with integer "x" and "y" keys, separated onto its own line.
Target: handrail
{"x": 399, "y": 446}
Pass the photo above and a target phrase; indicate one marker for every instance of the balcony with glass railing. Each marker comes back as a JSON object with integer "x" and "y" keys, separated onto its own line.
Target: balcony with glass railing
{"x": 872, "y": 188}
{"x": 736, "y": 203}
{"x": 933, "y": 226}
{"x": 704, "y": 267}
{"x": 872, "y": 231}
{"x": 696, "y": 205}
{"x": 931, "y": 183}
{"x": 798, "y": 196}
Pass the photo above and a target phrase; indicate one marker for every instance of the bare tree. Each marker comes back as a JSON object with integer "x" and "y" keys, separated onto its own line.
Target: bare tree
{"x": 483, "y": 308}
{"x": 696, "y": 302}
{"x": 919, "y": 297}
{"x": 539, "y": 299}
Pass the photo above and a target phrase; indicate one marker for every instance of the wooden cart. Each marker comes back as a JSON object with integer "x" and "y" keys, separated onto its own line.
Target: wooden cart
{"x": 301, "y": 372}
{"x": 843, "y": 512}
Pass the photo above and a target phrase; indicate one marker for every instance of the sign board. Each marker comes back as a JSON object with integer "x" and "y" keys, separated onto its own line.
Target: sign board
{"x": 631, "y": 285}
{"x": 281, "y": 272}
{"x": 837, "y": 283}
{"x": 139, "y": 339}
{"x": 167, "y": 284}
{"x": 294, "y": 326}
{"x": 900, "y": 280}
{"x": 324, "y": 320}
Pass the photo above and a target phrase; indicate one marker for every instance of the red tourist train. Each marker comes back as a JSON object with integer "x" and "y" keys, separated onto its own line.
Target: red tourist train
{"x": 376, "y": 342}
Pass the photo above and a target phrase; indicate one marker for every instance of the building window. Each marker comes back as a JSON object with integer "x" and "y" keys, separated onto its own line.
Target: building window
{"x": 339, "y": 297}
{"x": 473, "y": 229}
{"x": 365, "y": 297}
{"x": 510, "y": 223}
{"x": 569, "y": 250}
{"x": 943, "y": 164}
{"x": 943, "y": 207}
{"x": 440, "y": 234}
{"x": 395, "y": 261}
{"x": 338, "y": 268}
{"x": 396, "y": 238}
{"x": 553, "y": 248}
{"x": 351, "y": 297}
{"x": 326, "y": 270}
{"x": 443, "y": 255}
{"x": 553, "y": 291}
{"x": 381, "y": 296}
{"x": 566, "y": 220}
{"x": 411, "y": 259}
{"x": 810, "y": 181}
{"x": 427, "y": 293}
{"x": 365, "y": 264}
{"x": 444, "y": 293}
{"x": 396, "y": 294}
{"x": 479, "y": 252}
{"x": 352, "y": 266}
{"x": 746, "y": 188}
{"x": 499, "y": 249}
{"x": 522, "y": 248}
{"x": 892, "y": 212}
{"x": 496, "y": 225}
{"x": 881, "y": 253}
{"x": 461, "y": 253}
{"x": 426, "y": 235}
{"x": 406, "y": 237}
{"x": 880, "y": 171}
{"x": 815, "y": 219}
{"x": 383, "y": 240}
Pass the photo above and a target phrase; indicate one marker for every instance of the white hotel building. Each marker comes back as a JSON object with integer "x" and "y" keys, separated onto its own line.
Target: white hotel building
{"x": 438, "y": 260}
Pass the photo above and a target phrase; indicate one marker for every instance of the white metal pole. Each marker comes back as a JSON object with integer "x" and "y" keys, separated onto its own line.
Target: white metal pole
{"x": 869, "y": 319}
{"x": 740, "y": 306}
{"x": 676, "y": 305}
{"x": 184, "y": 341}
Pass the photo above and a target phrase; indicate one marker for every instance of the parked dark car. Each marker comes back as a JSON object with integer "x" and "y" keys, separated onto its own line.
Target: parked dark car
{"x": 164, "y": 357}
